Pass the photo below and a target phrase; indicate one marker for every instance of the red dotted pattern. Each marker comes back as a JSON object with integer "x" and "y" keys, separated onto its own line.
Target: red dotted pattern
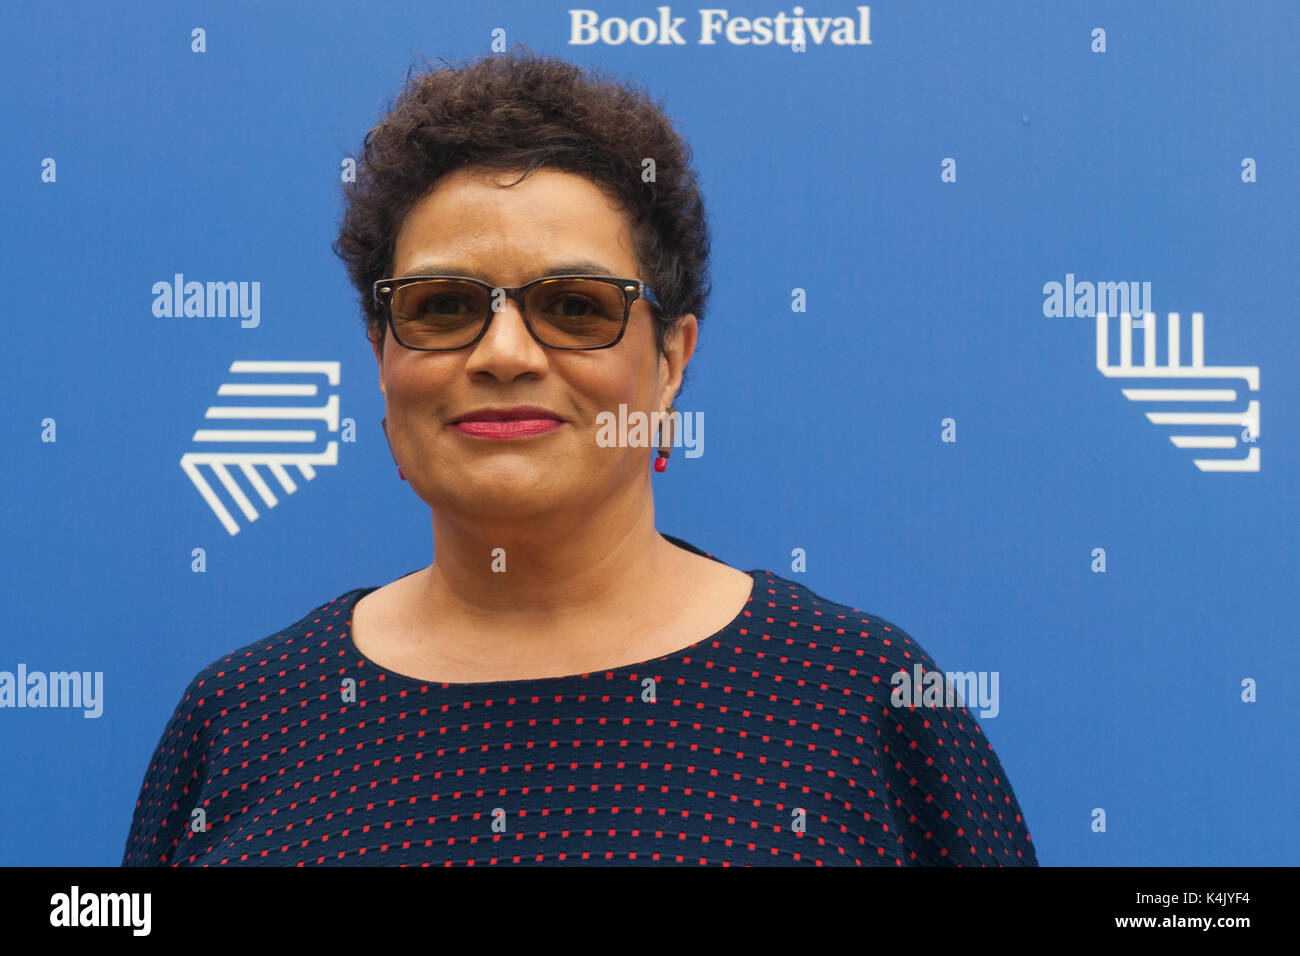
{"x": 772, "y": 742}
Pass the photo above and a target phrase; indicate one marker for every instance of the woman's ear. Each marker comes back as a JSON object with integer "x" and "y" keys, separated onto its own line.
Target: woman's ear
{"x": 378, "y": 346}
{"x": 679, "y": 346}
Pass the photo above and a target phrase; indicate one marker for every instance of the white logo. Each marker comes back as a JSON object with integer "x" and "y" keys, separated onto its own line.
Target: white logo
{"x": 275, "y": 460}
{"x": 1247, "y": 420}
{"x": 131, "y": 910}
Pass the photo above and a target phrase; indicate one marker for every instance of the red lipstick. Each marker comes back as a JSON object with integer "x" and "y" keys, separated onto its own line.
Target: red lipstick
{"x": 520, "y": 422}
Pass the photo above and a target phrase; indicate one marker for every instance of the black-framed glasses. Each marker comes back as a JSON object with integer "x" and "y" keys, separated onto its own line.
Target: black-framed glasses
{"x": 442, "y": 313}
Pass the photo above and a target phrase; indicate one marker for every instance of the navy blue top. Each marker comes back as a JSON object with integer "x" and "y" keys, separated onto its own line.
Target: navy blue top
{"x": 774, "y": 741}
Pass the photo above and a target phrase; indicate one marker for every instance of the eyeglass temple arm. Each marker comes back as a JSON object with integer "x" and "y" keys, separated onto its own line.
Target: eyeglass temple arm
{"x": 648, "y": 294}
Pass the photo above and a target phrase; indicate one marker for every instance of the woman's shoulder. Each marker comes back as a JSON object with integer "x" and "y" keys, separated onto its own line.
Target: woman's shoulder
{"x": 919, "y": 720}
{"x": 263, "y": 679}
{"x": 858, "y": 650}
{"x": 795, "y": 604}
{"x": 249, "y": 668}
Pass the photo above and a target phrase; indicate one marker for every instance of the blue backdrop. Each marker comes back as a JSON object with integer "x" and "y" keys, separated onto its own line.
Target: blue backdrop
{"x": 945, "y": 449}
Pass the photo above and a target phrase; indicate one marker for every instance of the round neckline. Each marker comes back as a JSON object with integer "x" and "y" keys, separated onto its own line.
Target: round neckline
{"x": 354, "y": 596}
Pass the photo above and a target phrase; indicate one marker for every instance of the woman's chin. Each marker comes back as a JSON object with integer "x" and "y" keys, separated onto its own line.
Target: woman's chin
{"x": 516, "y": 495}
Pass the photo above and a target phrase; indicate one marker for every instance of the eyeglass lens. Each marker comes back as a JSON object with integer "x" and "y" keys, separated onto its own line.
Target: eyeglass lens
{"x": 564, "y": 313}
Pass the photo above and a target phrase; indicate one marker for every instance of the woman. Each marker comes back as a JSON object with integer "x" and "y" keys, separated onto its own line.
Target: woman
{"x": 563, "y": 683}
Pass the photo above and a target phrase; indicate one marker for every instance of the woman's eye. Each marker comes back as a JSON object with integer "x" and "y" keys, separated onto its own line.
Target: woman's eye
{"x": 442, "y": 305}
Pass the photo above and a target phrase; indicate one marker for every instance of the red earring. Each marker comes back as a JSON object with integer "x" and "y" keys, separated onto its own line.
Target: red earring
{"x": 666, "y": 445}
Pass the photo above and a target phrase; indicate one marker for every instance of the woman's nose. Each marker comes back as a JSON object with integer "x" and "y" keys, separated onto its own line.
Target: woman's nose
{"x": 507, "y": 347}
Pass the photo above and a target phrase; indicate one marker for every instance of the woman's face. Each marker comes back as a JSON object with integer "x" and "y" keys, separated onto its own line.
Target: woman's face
{"x": 469, "y": 226}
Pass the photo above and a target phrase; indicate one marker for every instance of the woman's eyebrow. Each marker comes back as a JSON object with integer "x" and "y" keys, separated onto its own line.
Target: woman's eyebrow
{"x": 581, "y": 267}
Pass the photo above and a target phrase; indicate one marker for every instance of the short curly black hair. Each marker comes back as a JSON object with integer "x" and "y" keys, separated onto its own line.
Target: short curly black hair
{"x": 521, "y": 111}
